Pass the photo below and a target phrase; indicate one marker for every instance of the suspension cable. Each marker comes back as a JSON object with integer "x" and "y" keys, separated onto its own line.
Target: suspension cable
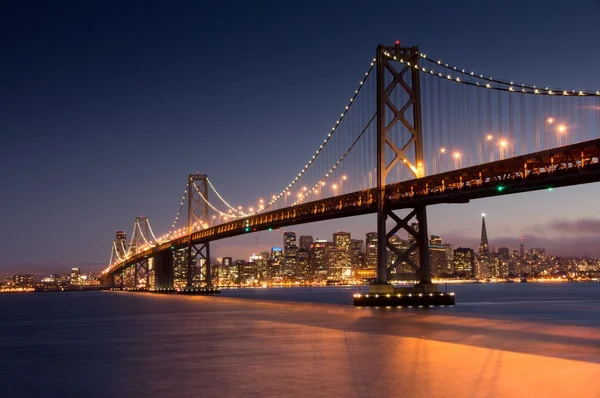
{"x": 497, "y": 83}
{"x": 208, "y": 203}
{"x": 506, "y": 82}
{"x": 332, "y": 169}
{"x": 224, "y": 201}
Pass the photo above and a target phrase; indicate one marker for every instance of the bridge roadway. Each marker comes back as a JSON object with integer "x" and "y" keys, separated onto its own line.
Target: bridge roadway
{"x": 559, "y": 167}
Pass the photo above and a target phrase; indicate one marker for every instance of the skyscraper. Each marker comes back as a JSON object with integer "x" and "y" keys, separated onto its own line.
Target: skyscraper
{"x": 522, "y": 249}
{"x": 371, "y": 249}
{"x": 341, "y": 240}
{"x": 319, "y": 258}
{"x": 355, "y": 253}
{"x": 414, "y": 255}
{"x": 435, "y": 240}
{"x": 305, "y": 242}
{"x": 75, "y": 276}
{"x": 289, "y": 252}
{"x": 484, "y": 264}
{"x": 304, "y": 270}
{"x": 449, "y": 257}
{"x": 180, "y": 268}
{"x": 464, "y": 262}
{"x": 289, "y": 241}
{"x": 484, "y": 248}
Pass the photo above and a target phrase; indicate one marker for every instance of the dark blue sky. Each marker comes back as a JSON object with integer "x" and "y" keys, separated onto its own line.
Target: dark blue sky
{"x": 105, "y": 107}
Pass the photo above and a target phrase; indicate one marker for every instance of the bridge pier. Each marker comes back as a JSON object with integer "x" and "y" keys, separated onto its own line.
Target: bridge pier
{"x": 142, "y": 272}
{"x": 163, "y": 269}
{"x": 201, "y": 250}
{"x": 117, "y": 279}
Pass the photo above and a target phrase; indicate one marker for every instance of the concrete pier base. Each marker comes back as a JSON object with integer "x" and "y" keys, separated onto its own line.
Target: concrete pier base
{"x": 411, "y": 296}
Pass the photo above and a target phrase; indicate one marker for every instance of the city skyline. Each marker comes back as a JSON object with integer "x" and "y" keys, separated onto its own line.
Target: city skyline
{"x": 109, "y": 115}
{"x": 472, "y": 242}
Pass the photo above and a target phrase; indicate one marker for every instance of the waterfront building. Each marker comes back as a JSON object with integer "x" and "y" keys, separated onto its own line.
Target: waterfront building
{"x": 371, "y": 250}
{"x": 305, "y": 242}
{"x": 319, "y": 258}
{"x": 464, "y": 262}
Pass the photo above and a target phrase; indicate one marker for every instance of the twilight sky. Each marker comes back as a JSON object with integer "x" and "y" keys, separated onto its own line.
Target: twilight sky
{"x": 106, "y": 106}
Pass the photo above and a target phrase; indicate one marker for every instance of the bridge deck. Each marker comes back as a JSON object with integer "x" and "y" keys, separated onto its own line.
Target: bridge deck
{"x": 564, "y": 166}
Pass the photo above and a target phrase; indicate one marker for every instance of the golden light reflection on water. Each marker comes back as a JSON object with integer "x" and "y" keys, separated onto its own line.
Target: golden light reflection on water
{"x": 269, "y": 348}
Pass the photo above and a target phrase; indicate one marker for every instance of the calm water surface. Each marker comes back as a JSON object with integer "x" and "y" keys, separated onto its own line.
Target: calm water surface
{"x": 499, "y": 340}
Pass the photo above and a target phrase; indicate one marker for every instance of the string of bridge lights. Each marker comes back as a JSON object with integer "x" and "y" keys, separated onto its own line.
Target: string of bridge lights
{"x": 224, "y": 201}
{"x": 208, "y": 203}
{"x": 511, "y": 85}
{"x": 116, "y": 252}
{"x": 521, "y": 86}
{"x": 127, "y": 254}
{"x": 151, "y": 232}
{"x": 142, "y": 233}
{"x": 321, "y": 182}
{"x": 179, "y": 211}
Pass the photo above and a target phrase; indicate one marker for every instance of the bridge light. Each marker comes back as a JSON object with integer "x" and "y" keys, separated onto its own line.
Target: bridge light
{"x": 500, "y": 188}
{"x": 550, "y": 189}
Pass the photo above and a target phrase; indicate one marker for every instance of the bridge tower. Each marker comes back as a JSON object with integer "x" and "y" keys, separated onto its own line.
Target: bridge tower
{"x": 142, "y": 233}
{"x": 399, "y": 144}
{"x": 198, "y": 219}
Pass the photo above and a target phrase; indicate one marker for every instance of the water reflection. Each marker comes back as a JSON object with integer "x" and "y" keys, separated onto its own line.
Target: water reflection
{"x": 136, "y": 345}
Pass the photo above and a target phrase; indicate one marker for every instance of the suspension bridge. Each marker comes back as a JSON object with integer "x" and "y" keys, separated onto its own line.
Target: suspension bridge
{"x": 417, "y": 131}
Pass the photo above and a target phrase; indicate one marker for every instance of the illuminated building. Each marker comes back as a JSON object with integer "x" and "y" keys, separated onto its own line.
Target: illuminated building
{"x": 355, "y": 253}
{"x": 435, "y": 240}
{"x": 499, "y": 267}
{"x": 336, "y": 257}
{"x": 514, "y": 264}
{"x": 289, "y": 240}
{"x": 414, "y": 255}
{"x": 437, "y": 260}
{"x": 289, "y": 252}
{"x": 341, "y": 241}
{"x": 180, "y": 268}
{"x": 304, "y": 269}
{"x": 291, "y": 261}
{"x": 449, "y": 257}
{"x": 371, "y": 250}
{"x": 75, "y": 276}
{"x": 522, "y": 249}
{"x": 504, "y": 253}
{"x": 464, "y": 262}
{"x": 257, "y": 268}
{"x": 305, "y": 242}
{"x": 484, "y": 253}
{"x": 277, "y": 260}
{"x": 22, "y": 280}
{"x": 402, "y": 270}
{"x": 319, "y": 258}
